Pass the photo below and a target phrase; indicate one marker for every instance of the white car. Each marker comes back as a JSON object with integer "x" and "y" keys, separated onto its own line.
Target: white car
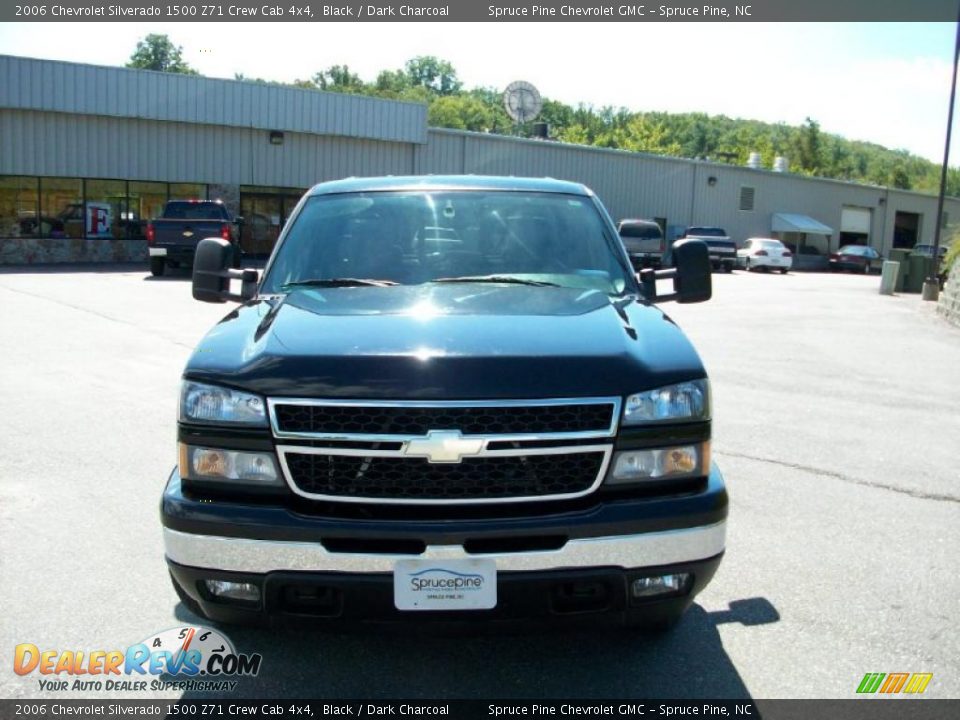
{"x": 765, "y": 253}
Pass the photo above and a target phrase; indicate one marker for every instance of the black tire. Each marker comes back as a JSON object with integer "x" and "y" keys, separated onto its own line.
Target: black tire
{"x": 158, "y": 266}
{"x": 236, "y": 261}
{"x": 866, "y": 269}
{"x": 783, "y": 271}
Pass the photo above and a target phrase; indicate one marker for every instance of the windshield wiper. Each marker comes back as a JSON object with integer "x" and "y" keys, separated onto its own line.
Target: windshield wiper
{"x": 339, "y": 282}
{"x": 495, "y": 279}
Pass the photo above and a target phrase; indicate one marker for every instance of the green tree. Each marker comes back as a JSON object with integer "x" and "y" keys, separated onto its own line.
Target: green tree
{"x": 338, "y": 78}
{"x": 807, "y": 150}
{"x": 461, "y": 112}
{"x": 434, "y": 74}
{"x": 157, "y": 52}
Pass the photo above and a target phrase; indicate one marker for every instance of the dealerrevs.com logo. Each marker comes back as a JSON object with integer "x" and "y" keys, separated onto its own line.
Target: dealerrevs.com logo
{"x": 183, "y": 658}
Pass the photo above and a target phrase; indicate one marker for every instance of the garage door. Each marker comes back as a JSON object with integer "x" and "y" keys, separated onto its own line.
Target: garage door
{"x": 855, "y": 220}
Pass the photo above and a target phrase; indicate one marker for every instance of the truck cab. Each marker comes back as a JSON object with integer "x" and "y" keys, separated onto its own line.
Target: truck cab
{"x": 722, "y": 249}
{"x": 445, "y": 400}
{"x": 643, "y": 241}
{"x": 173, "y": 237}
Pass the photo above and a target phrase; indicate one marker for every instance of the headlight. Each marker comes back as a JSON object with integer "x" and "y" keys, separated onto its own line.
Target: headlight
{"x": 683, "y": 402}
{"x": 255, "y": 468}
{"x": 211, "y": 404}
{"x": 684, "y": 461}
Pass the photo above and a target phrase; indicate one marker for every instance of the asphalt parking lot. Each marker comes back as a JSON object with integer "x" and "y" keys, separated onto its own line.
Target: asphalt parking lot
{"x": 837, "y": 418}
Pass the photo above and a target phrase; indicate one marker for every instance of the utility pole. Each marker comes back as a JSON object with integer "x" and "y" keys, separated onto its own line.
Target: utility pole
{"x": 931, "y": 286}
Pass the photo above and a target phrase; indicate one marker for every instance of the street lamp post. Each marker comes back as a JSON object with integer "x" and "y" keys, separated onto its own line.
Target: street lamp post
{"x": 931, "y": 286}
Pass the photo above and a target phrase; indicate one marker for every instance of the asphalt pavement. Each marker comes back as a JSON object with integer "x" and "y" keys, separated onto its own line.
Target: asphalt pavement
{"x": 837, "y": 426}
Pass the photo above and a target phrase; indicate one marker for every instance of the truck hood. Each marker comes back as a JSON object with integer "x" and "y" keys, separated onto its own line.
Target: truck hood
{"x": 458, "y": 341}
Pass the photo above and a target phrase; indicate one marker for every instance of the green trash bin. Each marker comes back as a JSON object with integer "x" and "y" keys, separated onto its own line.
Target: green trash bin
{"x": 920, "y": 268}
{"x": 901, "y": 256}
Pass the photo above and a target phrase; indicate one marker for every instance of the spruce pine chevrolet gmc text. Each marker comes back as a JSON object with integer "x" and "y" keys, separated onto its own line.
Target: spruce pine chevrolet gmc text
{"x": 445, "y": 399}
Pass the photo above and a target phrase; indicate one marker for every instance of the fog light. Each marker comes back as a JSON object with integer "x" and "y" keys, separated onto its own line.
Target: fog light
{"x": 201, "y": 463}
{"x": 226, "y": 590}
{"x": 686, "y": 461}
{"x": 659, "y": 585}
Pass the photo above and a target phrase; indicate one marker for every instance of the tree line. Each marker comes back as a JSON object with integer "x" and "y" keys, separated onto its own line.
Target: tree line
{"x": 434, "y": 82}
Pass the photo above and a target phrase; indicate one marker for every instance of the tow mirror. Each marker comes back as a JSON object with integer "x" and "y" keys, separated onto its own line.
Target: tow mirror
{"x": 212, "y": 273}
{"x": 691, "y": 275}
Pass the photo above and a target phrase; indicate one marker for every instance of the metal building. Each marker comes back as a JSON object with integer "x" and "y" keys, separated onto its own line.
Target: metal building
{"x": 75, "y": 137}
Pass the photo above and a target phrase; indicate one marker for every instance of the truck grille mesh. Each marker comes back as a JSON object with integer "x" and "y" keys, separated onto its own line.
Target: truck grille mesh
{"x": 473, "y": 479}
{"x": 499, "y": 420}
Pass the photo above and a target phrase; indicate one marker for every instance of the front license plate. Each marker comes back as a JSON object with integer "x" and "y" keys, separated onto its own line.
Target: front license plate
{"x": 445, "y": 584}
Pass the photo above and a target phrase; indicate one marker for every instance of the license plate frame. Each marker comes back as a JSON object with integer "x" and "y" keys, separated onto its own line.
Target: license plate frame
{"x": 445, "y": 585}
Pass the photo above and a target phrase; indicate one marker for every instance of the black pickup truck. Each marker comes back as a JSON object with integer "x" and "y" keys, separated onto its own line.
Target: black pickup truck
{"x": 172, "y": 238}
{"x": 447, "y": 399}
{"x": 722, "y": 249}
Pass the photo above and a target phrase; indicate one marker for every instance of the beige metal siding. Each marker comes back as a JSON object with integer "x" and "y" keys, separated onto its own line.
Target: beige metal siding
{"x": 35, "y": 143}
{"x": 629, "y": 185}
{"x": 29, "y": 84}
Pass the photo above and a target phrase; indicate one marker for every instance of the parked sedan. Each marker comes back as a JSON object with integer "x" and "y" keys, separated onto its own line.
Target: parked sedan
{"x": 856, "y": 258}
{"x": 766, "y": 253}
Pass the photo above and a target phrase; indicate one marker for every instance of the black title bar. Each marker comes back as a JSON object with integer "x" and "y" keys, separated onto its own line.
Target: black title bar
{"x": 479, "y": 11}
{"x": 214, "y": 708}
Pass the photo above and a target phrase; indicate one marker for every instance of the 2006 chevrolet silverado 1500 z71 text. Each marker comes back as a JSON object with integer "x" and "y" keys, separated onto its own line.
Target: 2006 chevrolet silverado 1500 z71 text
{"x": 446, "y": 399}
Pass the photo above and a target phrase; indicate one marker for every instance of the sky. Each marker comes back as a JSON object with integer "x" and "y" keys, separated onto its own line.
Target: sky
{"x": 887, "y": 83}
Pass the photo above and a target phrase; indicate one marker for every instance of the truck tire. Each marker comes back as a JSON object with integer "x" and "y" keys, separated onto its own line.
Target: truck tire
{"x": 158, "y": 266}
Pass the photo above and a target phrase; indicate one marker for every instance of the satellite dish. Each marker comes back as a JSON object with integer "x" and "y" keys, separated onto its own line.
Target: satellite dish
{"x": 522, "y": 101}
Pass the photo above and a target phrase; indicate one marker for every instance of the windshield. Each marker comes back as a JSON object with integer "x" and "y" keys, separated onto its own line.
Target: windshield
{"x": 643, "y": 231}
{"x": 707, "y": 231}
{"x": 418, "y": 237}
{"x": 193, "y": 211}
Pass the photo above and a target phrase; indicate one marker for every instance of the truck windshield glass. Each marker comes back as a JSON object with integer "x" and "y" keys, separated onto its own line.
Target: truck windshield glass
{"x": 647, "y": 232}
{"x": 420, "y": 237}
{"x": 193, "y": 211}
{"x": 706, "y": 232}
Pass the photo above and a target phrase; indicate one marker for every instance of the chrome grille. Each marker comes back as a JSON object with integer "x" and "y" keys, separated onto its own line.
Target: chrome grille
{"x": 489, "y": 478}
{"x": 444, "y": 452}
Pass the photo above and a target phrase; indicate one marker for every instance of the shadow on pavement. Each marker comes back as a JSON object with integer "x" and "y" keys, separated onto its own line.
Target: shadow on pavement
{"x": 687, "y": 662}
{"x": 61, "y": 268}
{"x": 185, "y": 273}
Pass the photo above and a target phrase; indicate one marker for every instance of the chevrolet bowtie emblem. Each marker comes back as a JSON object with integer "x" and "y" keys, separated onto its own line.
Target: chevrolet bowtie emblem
{"x": 443, "y": 446}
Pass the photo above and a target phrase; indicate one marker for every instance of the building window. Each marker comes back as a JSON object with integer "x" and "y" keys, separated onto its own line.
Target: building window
{"x": 105, "y": 209}
{"x": 61, "y": 207}
{"x": 188, "y": 191}
{"x": 145, "y": 202}
{"x": 19, "y": 206}
{"x": 747, "y": 195}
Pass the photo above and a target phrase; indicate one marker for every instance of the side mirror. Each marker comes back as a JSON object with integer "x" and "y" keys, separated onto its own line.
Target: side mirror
{"x": 691, "y": 275}
{"x": 694, "y": 280}
{"x": 212, "y": 273}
